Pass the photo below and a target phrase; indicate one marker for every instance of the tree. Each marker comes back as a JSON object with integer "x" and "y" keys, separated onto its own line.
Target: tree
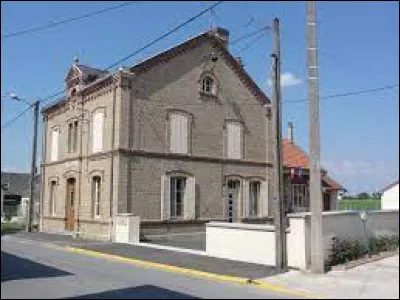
{"x": 363, "y": 195}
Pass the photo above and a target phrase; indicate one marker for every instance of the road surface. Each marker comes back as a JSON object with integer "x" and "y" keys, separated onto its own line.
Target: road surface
{"x": 32, "y": 269}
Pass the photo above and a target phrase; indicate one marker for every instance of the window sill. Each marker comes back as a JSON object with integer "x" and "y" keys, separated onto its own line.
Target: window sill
{"x": 207, "y": 96}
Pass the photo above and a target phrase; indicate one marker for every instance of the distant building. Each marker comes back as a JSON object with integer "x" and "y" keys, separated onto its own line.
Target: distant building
{"x": 390, "y": 196}
{"x": 15, "y": 193}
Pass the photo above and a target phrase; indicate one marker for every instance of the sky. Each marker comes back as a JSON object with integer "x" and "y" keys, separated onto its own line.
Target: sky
{"x": 358, "y": 49}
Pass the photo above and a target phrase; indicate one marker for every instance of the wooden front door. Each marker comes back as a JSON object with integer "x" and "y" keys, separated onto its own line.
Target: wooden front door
{"x": 69, "y": 205}
{"x": 327, "y": 202}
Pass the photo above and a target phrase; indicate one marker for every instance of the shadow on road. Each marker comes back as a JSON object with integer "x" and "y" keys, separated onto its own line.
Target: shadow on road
{"x": 139, "y": 292}
{"x": 17, "y": 268}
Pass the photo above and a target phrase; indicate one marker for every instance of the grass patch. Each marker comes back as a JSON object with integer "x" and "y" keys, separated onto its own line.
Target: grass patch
{"x": 360, "y": 204}
{"x": 9, "y": 227}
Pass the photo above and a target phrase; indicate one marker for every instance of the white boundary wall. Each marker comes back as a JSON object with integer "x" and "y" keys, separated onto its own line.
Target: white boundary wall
{"x": 256, "y": 243}
{"x": 243, "y": 242}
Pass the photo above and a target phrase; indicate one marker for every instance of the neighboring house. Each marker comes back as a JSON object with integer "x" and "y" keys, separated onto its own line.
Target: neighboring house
{"x": 390, "y": 196}
{"x": 296, "y": 179}
{"x": 180, "y": 139}
{"x": 15, "y": 190}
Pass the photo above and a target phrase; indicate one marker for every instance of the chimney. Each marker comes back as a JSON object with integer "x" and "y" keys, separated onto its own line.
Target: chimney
{"x": 290, "y": 133}
{"x": 221, "y": 34}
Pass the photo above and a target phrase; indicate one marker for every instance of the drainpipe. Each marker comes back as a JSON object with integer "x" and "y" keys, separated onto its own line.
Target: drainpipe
{"x": 114, "y": 87}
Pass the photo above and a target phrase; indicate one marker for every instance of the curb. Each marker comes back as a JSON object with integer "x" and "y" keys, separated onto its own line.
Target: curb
{"x": 195, "y": 273}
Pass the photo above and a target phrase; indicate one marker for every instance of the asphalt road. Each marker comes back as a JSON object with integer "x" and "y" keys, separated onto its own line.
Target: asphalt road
{"x": 31, "y": 269}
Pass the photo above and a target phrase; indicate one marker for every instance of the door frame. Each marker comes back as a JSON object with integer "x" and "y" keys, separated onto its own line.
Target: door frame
{"x": 70, "y": 207}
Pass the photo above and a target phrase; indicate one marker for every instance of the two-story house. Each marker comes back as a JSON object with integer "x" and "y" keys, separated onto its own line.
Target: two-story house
{"x": 179, "y": 139}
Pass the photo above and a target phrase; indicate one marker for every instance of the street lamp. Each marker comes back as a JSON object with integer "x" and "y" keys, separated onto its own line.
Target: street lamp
{"x": 35, "y": 105}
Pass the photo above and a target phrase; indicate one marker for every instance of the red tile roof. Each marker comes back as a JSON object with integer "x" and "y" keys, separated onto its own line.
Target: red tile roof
{"x": 295, "y": 157}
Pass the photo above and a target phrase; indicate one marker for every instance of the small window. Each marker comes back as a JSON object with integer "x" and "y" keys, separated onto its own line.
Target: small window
{"x": 177, "y": 190}
{"x": 96, "y": 195}
{"x": 254, "y": 193}
{"x": 53, "y": 201}
{"x": 209, "y": 85}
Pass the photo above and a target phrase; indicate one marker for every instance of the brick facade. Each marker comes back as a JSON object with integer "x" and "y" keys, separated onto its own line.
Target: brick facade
{"x": 136, "y": 105}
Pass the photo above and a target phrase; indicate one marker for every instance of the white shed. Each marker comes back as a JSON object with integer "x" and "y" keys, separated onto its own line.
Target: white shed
{"x": 390, "y": 196}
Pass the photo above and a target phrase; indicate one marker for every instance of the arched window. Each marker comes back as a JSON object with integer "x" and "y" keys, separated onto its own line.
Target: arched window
{"x": 208, "y": 85}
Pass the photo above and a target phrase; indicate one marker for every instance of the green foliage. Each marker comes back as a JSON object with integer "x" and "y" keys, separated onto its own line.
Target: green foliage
{"x": 345, "y": 250}
{"x": 363, "y": 195}
{"x": 384, "y": 243}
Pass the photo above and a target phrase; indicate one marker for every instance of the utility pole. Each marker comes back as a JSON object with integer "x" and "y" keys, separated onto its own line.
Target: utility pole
{"x": 33, "y": 167}
{"x": 278, "y": 199}
{"x": 317, "y": 257}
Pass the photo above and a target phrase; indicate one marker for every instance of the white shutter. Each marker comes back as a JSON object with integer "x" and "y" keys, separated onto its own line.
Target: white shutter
{"x": 189, "y": 204}
{"x": 234, "y": 140}
{"x": 98, "y": 120}
{"x": 54, "y": 144}
{"x": 178, "y": 134}
{"x": 174, "y": 133}
{"x": 264, "y": 195}
{"x": 165, "y": 197}
{"x": 246, "y": 199}
{"x": 183, "y": 124}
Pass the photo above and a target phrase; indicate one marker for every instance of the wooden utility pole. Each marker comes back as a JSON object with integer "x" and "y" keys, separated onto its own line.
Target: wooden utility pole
{"x": 278, "y": 199}
{"x": 31, "y": 204}
{"x": 317, "y": 257}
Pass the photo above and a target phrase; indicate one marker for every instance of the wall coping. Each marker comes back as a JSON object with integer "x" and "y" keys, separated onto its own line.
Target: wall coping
{"x": 304, "y": 215}
{"x": 251, "y": 227}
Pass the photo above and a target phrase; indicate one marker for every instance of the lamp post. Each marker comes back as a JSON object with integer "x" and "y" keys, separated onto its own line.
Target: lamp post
{"x": 35, "y": 106}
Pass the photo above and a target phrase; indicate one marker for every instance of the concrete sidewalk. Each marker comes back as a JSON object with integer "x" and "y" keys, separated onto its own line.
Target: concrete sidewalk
{"x": 375, "y": 280}
{"x": 187, "y": 260}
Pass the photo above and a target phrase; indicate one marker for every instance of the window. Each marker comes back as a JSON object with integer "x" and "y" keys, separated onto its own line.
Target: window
{"x": 208, "y": 85}
{"x": 254, "y": 193}
{"x": 98, "y": 120}
{"x": 53, "y": 201}
{"x": 72, "y": 136}
{"x": 54, "y": 144}
{"x": 96, "y": 192}
{"x": 300, "y": 196}
{"x": 234, "y": 135}
{"x": 178, "y": 133}
{"x": 177, "y": 190}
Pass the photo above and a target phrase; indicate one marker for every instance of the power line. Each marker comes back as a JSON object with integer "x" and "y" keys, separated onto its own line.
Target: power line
{"x": 56, "y": 23}
{"x": 165, "y": 35}
{"x": 251, "y": 43}
{"x": 48, "y": 98}
{"x": 350, "y": 93}
{"x": 9, "y": 123}
{"x": 253, "y": 33}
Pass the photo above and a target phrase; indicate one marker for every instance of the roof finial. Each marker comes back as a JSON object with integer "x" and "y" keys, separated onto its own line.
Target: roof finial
{"x": 76, "y": 59}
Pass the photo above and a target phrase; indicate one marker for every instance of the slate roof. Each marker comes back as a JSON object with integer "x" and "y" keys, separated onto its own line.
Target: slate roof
{"x": 19, "y": 184}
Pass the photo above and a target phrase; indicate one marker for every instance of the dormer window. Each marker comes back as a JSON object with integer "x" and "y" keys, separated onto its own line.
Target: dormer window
{"x": 208, "y": 85}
